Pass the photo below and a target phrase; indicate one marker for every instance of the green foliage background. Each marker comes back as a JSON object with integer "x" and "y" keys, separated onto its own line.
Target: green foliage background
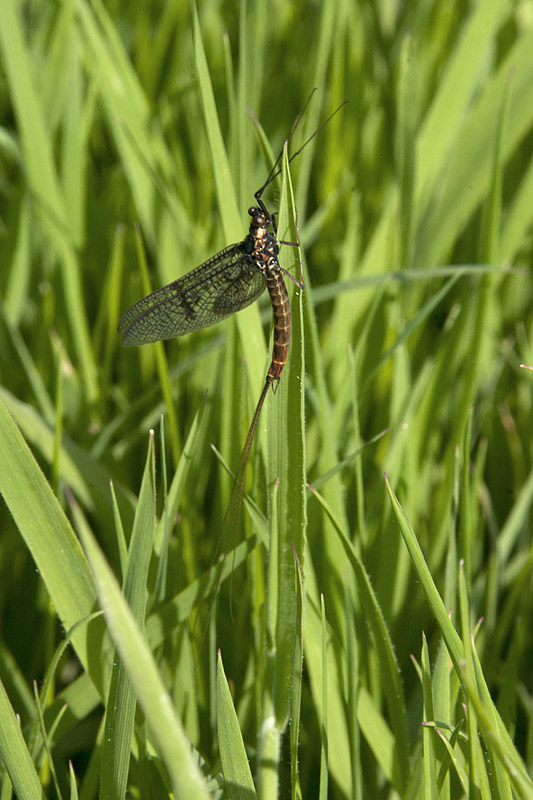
{"x": 382, "y": 571}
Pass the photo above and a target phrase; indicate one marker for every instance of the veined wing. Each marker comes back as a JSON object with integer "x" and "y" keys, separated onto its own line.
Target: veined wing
{"x": 222, "y": 285}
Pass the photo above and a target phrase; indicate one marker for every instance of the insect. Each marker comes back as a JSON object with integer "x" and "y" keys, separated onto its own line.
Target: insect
{"x": 227, "y": 282}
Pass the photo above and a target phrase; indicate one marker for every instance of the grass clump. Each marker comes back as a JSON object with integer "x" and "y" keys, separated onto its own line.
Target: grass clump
{"x": 371, "y": 633}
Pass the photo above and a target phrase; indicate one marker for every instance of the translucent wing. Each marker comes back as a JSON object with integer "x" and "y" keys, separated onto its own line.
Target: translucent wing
{"x": 222, "y": 285}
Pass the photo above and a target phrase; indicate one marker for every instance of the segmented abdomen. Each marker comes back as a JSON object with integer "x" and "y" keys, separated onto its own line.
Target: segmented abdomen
{"x": 282, "y": 322}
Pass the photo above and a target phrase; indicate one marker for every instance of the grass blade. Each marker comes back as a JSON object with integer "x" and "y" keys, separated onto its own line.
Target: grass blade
{"x": 149, "y": 688}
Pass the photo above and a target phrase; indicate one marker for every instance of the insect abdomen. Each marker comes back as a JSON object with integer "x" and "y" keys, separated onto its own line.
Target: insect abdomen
{"x": 282, "y": 323}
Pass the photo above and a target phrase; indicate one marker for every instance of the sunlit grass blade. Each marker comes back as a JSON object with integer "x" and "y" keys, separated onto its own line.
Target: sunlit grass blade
{"x": 15, "y": 752}
{"x": 455, "y": 91}
{"x": 286, "y": 464}
{"x": 30, "y": 368}
{"x": 20, "y": 272}
{"x": 235, "y": 766}
{"x": 51, "y": 722}
{"x": 258, "y": 517}
{"x": 106, "y": 340}
{"x": 413, "y": 324}
{"x": 296, "y": 685}
{"x": 250, "y": 335}
{"x": 324, "y": 751}
{"x": 415, "y": 211}
{"x": 78, "y": 469}
{"x": 161, "y": 360}
{"x": 474, "y": 157}
{"x": 352, "y": 698}
{"x": 372, "y": 724}
{"x": 50, "y": 539}
{"x": 453, "y": 642}
{"x": 510, "y": 769}
{"x": 172, "y": 499}
{"x": 46, "y": 741}
{"x": 126, "y": 105}
{"x": 121, "y": 699}
{"x": 374, "y": 617}
{"x": 148, "y": 685}
{"x": 43, "y": 176}
{"x": 430, "y": 778}
{"x": 477, "y": 777}
{"x": 449, "y": 633}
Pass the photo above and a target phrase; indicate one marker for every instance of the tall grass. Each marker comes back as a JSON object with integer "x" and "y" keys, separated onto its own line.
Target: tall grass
{"x": 370, "y": 634}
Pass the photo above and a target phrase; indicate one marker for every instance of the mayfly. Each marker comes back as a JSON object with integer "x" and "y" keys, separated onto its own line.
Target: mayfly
{"x": 225, "y": 283}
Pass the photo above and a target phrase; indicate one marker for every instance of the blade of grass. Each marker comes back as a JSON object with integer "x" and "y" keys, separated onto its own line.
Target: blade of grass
{"x": 450, "y": 635}
{"x": 251, "y": 338}
{"x": 296, "y": 686}
{"x": 151, "y": 693}
{"x": 286, "y": 464}
{"x": 238, "y": 783}
{"x": 451, "y": 638}
{"x": 51, "y": 541}
{"x": 430, "y": 777}
{"x": 374, "y": 617}
{"x": 42, "y": 174}
{"x": 121, "y": 699}
{"x": 15, "y": 753}
{"x": 161, "y": 359}
{"x": 324, "y": 750}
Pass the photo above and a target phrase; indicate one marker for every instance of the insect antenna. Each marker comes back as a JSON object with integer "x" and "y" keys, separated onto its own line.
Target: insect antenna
{"x": 297, "y": 121}
{"x": 276, "y": 169}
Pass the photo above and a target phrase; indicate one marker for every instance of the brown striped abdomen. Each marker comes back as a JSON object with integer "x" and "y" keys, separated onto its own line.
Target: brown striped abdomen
{"x": 281, "y": 309}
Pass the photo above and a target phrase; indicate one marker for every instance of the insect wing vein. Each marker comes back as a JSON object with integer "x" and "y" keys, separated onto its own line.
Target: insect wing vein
{"x": 222, "y": 285}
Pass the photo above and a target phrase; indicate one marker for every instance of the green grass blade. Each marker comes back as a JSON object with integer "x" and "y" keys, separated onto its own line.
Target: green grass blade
{"x": 352, "y": 694}
{"x": 458, "y": 85}
{"x": 227, "y": 200}
{"x": 410, "y": 201}
{"x": 286, "y": 423}
{"x": 42, "y": 174}
{"x": 49, "y": 537}
{"x": 430, "y": 778}
{"x": 30, "y": 368}
{"x": 149, "y": 688}
{"x": 121, "y": 699}
{"x": 250, "y": 335}
{"x": 324, "y": 751}
{"x": 475, "y": 157}
{"x": 238, "y": 781}
{"x": 510, "y": 769}
{"x": 161, "y": 360}
{"x": 374, "y": 616}
{"x": 15, "y": 753}
{"x": 453, "y": 642}
{"x": 296, "y": 689}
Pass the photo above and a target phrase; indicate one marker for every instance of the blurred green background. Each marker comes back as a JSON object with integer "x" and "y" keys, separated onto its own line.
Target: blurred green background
{"x": 132, "y": 139}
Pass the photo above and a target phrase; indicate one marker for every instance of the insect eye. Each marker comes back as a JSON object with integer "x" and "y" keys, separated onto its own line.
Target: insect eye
{"x": 253, "y": 211}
